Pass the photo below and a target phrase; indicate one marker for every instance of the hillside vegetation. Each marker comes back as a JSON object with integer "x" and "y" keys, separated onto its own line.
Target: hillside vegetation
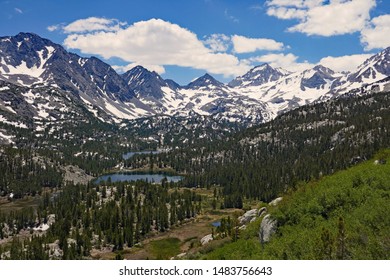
{"x": 341, "y": 216}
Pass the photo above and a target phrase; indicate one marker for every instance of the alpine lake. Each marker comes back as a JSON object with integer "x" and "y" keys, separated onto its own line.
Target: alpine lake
{"x": 135, "y": 176}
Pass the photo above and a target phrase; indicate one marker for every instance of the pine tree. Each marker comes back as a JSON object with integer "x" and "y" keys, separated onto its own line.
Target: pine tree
{"x": 326, "y": 248}
{"x": 341, "y": 240}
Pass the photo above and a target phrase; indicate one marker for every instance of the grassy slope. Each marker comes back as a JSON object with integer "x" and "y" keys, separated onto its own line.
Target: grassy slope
{"x": 309, "y": 219}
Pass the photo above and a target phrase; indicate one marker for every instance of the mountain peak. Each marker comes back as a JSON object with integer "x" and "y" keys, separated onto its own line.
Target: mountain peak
{"x": 322, "y": 69}
{"x": 27, "y": 35}
{"x": 258, "y": 75}
{"x": 139, "y": 68}
{"x": 261, "y": 67}
{"x": 146, "y": 84}
{"x": 205, "y": 81}
{"x": 375, "y": 68}
{"x": 141, "y": 73}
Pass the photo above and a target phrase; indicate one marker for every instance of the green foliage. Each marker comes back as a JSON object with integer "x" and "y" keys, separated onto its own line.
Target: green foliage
{"x": 342, "y": 216}
{"x": 23, "y": 173}
{"x": 165, "y": 248}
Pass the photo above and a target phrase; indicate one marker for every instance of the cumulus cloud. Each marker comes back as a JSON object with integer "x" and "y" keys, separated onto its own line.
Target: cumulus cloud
{"x": 157, "y": 43}
{"x": 152, "y": 42}
{"x": 243, "y": 44}
{"x": 376, "y": 34}
{"x": 93, "y": 24}
{"x": 324, "y": 18}
{"x": 122, "y": 69}
{"x": 301, "y": 4}
{"x": 286, "y": 13}
{"x": 218, "y": 42}
{"x": 344, "y": 63}
{"x": 286, "y": 61}
{"x": 290, "y": 62}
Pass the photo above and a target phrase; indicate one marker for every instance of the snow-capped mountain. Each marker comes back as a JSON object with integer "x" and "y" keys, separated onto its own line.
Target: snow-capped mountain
{"x": 153, "y": 90}
{"x": 259, "y": 75}
{"x": 204, "y": 96}
{"x": 207, "y": 96}
{"x": 205, "y": 82}
{"x": 38, "y": 67}
{"x": 291, "y": 90}
{"x": 27, "y": 59}
{"x": 374, "y": 69}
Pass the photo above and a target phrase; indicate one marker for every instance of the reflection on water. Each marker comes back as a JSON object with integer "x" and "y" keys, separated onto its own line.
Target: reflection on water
{"x": 150, "y": 177}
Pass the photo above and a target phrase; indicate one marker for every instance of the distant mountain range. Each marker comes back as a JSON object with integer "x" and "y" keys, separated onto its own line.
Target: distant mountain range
{"x": 42, "y": 81}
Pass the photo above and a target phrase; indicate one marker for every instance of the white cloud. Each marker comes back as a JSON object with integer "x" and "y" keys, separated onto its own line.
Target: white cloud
{"x": 285, "y": 61}
{"x": 344, "y": 63}
{"x": 290, "y": 62}
{"x": 152, "y": 42}
{"x": 286, "y": 13}
{"x": 52, "y": 28}
{"x": 318, "y": 17}
{"x": 243, "y": 44}
{"x": 19, "y": 11}
{"x": 377, "y": 34}
{"x": 218, "y": 42}
{"x": 295, "y": 3}
{"x": 93, "y": 24}
{"x": 156, "y": 68}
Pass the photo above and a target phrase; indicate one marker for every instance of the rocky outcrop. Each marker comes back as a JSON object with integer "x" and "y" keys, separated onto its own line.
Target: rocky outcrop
{"x": 206, "y": 239}
{"x": 262, "y": 211}
{"x": 248, "y": 216}
{"x": 76, "y": 175}
{"x": 267, "y": 228}
{"x": 276, "y": 201}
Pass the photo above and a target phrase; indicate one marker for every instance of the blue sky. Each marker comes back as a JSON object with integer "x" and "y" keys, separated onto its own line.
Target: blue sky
{"x": 182, "y": 40}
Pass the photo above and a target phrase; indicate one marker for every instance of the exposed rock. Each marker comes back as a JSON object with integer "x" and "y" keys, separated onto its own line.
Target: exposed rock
{"x": 243, "y": 227}
{"x": 267, "y": 228}
{"x": 206, "y": 239}
{"x": 262, "y": 211}
{"x": 51, "y": 219}
{"x": 54, "y": 250}
{"x": 76, "y": 175}
{"x": 182, "y": 255}
{"x": 380, "y": 161}
{"x": 276, "y": 201}
{"x": 41, "y": 227}
{"x": 248, "y": 216}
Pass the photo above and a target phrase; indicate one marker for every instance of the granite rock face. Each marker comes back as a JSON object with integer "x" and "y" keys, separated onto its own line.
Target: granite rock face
{"x": 267, "y": 228}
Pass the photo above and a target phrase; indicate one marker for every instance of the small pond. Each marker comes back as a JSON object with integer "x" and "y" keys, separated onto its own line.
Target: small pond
{"x": 216, "y": 224}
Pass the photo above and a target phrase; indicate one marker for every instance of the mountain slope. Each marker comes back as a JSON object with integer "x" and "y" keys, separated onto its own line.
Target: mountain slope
{"x": 151, "y": 89}
{"x": 291, "y": 90}
{"x": 258, "y": 96}
{"x": 374, "y": 69}
{"x": 204, "y": 96}
{"x": 259, "y": 75}
{"x": 342, "y": 216}
{"x": 28, "y": 59}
